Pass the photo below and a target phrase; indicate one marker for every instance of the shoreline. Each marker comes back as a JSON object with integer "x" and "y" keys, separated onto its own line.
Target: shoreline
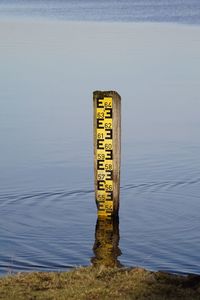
{"x": 100, "y": 283}
{"x": 41, "y": 19}
{"x": 48, "y": 21}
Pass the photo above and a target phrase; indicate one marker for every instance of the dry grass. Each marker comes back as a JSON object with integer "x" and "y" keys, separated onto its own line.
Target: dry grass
{"x": 100, "y": 283}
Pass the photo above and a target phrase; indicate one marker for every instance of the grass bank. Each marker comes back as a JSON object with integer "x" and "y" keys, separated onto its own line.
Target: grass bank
{"x": 100, "y": 283}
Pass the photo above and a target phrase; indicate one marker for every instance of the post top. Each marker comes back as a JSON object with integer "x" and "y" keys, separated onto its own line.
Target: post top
{"x": 106, "y": 94}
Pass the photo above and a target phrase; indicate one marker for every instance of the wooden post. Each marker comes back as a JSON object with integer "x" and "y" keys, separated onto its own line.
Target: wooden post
{"x": 107, "y": 151}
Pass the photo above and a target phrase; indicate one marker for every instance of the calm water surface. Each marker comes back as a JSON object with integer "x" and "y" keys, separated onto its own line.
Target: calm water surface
{"x": 48, "y": 71}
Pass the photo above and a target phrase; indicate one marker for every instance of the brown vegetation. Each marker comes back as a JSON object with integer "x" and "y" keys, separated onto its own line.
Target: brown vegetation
{"x": 100, "y": 283}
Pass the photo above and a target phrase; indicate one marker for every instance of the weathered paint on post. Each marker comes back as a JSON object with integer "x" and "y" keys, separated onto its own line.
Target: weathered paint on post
{"x": 107, "y": 151}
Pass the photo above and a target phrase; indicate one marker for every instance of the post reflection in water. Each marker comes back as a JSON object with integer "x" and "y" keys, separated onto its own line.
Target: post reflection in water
{"x": 106, "y": 245}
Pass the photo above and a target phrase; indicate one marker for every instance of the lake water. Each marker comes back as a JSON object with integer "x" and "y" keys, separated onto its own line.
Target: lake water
{"x": 49, "y": 67}
{"x": 178, "y": 11}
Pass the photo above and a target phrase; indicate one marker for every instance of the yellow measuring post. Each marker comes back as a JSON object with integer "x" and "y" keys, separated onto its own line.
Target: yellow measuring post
{"x": 107, "y": 151}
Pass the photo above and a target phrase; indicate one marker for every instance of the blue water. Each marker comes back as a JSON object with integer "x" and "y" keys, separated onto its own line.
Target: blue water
{"x": 48, "y": 71}
{"x": 177, "y": 11}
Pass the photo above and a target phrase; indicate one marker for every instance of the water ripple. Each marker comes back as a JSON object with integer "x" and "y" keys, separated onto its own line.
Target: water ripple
{"x": 11, "y": 197}
{"x": 142, "y": 187}
{"x": 40, "y": 230}
{"x": 159, "y": 185}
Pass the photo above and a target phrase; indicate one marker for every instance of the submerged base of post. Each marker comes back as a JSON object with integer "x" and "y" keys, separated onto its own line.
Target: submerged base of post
{"x": 107, "y": 151}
